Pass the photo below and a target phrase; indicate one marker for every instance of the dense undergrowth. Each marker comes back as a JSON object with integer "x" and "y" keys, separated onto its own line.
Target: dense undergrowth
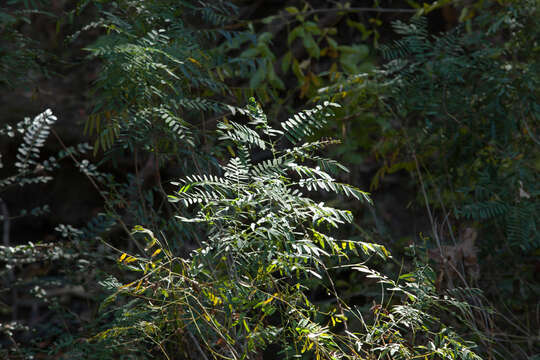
{"x": 224, "y": 233}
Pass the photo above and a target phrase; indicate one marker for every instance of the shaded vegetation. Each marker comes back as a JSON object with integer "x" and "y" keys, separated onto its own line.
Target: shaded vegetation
{"x": 211, "y": 230}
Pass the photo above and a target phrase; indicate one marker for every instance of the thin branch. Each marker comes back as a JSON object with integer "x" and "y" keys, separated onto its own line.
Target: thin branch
{"x": 428, "y": 208}
{"x": 326, "y": 11}
{"x": 355, "y": 10}
{"x": 528, "y": 129}
{"x": 196, "y": 342}
{"x": 96, "y": 186}
{"x": 11, "y": 275}
{"x": 338, "y": 300}
{"x": 139, "y": 180}
{"x": 446, "y": 109}
{"x": 6, "y": 219}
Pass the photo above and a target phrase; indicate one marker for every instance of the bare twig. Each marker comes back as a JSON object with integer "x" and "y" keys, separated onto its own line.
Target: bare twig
{"x": 338, "y": 300}
{"x": 96, "y": 186}
{"x": 242, "y": 23}
{"x": 5, "y": 216}
{"x": 196, "y": 342}
{"x": 355, "y": 10}
{"x": 139, "y": 180}
{"x": 428, "y": 208}
{"x": 528, "y": 129}
{"x": 11, "y": 276}
{"x": 446, "y": 109}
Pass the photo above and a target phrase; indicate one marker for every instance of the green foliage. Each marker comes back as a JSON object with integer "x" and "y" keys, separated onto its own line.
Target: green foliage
{"x": 35, "y": 133}
{"x": 267, "y": 247}
{"x": 161, "y": 74}
{"x": 459, "y": 112}
{"x": 158, "y": 70}
{"x": 488, "y": 96}
{"x": 244, "y": 260}
{"x": 20, "y": 56}
{"x": 465, "y": 106}
{"x": 18, "y": 284}
{"x": 314, "y": 54}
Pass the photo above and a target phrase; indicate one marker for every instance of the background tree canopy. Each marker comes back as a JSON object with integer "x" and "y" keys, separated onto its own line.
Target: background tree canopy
{"x": 307, "y": 179}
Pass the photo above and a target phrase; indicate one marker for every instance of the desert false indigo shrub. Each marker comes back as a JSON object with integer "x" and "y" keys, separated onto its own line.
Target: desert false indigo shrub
{"x": 267, "y": 245}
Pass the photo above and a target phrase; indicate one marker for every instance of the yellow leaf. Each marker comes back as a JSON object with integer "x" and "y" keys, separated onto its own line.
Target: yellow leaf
{"x": 194, "y": 61}
{"x": 126, "y": 285}
{"x": 269, "y": 299}
{"x": 122, "y": 257}
{"x": 130, "y": 259}
{"x": 139, "y": 284}
{"x": 304, "y": 347}
{"x": 156, "y": 252}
